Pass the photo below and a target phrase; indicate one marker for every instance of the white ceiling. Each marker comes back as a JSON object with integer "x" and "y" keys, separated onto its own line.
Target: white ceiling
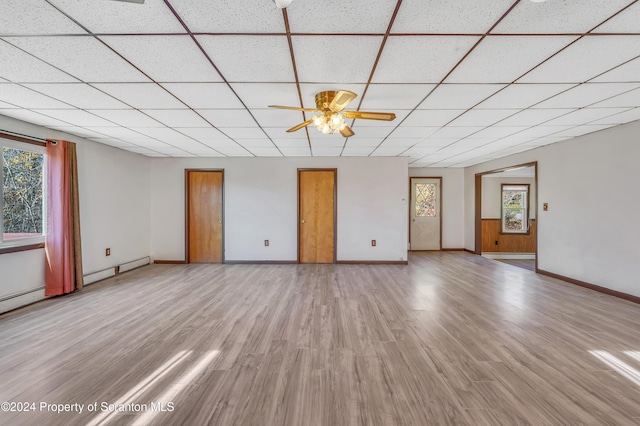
{"x": 469, "y": 80}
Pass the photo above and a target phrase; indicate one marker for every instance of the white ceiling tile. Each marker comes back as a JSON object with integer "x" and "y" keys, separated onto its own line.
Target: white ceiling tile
{"x": 163, "y": 134}
{"x": 624, "y": 22}
{"x": 80, "y": 95}
{"x": 630, "y": 99}
{"x": 309, "y": 90}
{"x": 326, "y": 152}
{"x": 360, "y": 142}
{"x": 122, "y": 133}
{"x": 372, "y": 132}
{"x": 335, "y": 59}
{"x": 83, "y": 132}
{"x": 400, "y": 115}
{"x": 585, "y": 59}
{"x": 582, "y": 130}
{"x": 346, "y": 17}
{"x": 34, "y": 17}
{"x": 630, "y": 71}
{"x": 296, "y": 152}
{"x": 533, "y": 117}
{"x": 552, "y": 17}
{"x": 127, "y": 117}
{"x": 412, "y": 132}
{"x": 523, "y": 95}
{"x": 266, "y": 152}
{"x": 141, "y": 95}
{"x": 387, "y": 97}
{"x": 243, "y": 132}
{"x": 177, "y": 117}
{"x": 280, "y": 135}
{"x": 27, "y": 98}
{"x": 421, "y": 59}
{"x": 112, "y": 17}
{"x": 230, "y": 16}
{"x": 621, "y": 118}
{"x": 236, "y": 152}
{"x": 495, "y": 132}
{"x": 452, "y": 17}
{"x": 459, "y": 96}
{"x": 541, "y": 131}
{"x": 113, "y": 142}
{"x": 505, "y": 59}
{"x": 388, "y": 151}
{"x": 249, "y": 58}
{"x": 204, "y": 134}
{"x": 261, "y": 95}
{"x": 583, "y": 116}
{"x": 228, "y": 117}
{"x": 432, "y": 118}
{"x": 76, "y": 117}
{"x": 277, "y": 117}
{"x": 431, "y": 142}
{"x": 83, "y": 57}
{"x": 356, "y": 152}
{"x": 455, "y": 132}
{"x": 4, "y": 105}
{"x": 291, "y": 143}
{"x": 204, "y": 95}
{"x": 587, "y": 94}
{"x": 33, "y": 117}
{"x": 163, "y": 58}
{"x": 256, "y": 143}
{"x": 401, "y": 142}
{"x": 321, "y": 140}
{"x": 547, "y": 141}
{"x": 482, "y": 117}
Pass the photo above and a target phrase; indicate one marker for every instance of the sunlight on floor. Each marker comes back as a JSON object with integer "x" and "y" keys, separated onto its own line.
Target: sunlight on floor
{"x": 620, "y": 366}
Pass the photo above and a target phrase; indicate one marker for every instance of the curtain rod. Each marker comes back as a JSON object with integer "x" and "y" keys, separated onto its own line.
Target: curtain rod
{"x": 22, "y": 138}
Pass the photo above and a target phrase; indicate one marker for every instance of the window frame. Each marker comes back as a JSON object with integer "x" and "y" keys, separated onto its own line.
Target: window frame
{"x": 26, "y": 243}
{"x": 525, "y": 209}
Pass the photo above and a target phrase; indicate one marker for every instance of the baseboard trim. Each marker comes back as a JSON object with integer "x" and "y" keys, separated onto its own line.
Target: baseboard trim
{"x": 260, "y": 262}
{"x": 600, "y": 289}
{"x": 169, "y": 262}
{"x": 372, "y": 262}
{"x": 469, "y": 251}
{"x": 507, "y": 256}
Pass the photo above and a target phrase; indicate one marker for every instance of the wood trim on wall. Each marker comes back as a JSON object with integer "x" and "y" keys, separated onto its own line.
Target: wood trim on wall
{"x": 23, "y": 139}
{"x": 186, "y": 210}
{"x": 440, "y": 204}
{"x": 169, "y": 262}
{"x": 261, "y": 262}
{"x": 478, "y": 215}
{"x": 372, "y": 262}
{"x": 600, "y": 289}
{"x": 335, "y": 209}
{"x": 16, "y": 249}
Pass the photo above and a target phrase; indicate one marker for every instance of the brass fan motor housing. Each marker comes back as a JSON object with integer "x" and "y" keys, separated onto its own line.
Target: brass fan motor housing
{"x": 324, "y": 99}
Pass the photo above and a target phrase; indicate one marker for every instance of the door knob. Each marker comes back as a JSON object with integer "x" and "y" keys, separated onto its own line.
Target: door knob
{"x": 220, "y": 222}
{"x": 302, "y": 221}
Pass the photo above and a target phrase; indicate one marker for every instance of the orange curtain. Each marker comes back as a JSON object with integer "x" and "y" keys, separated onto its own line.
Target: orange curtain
{"x": 63, "y": 248}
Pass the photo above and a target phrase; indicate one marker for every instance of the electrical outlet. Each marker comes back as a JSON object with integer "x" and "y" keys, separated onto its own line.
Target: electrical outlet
{"x": 496, "y": 242}
{"x": 373, "y": 243}
{"x": 266, "y": 243}
{"x": 108, "y": 252}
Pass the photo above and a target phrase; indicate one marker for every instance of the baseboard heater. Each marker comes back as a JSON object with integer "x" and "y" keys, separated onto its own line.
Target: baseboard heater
{"x": 95, "y": 276}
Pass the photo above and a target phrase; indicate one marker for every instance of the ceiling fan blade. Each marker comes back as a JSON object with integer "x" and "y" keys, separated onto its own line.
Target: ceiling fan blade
{"x": 300, "y": 126}
{"x": 294, "y": 108}
{"x": 347, "y": 132}
{"x": 341, "y": 100}
{"x": 384, "y": 116}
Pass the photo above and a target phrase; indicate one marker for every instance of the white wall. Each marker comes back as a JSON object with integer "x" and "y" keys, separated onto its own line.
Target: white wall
{"x": 591, "y": 232}
{"x": 114, "y": 212}
{"x": 261, "y": 203}
{"x": 452, "y": 202}
{"x": 492, "y": 195}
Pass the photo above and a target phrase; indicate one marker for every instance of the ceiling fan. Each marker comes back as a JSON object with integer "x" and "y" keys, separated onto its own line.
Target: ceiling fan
{"x": 330, "y": 106}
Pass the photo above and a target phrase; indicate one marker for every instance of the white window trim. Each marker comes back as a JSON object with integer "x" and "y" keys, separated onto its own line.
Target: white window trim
{"x": 19, "y": 242}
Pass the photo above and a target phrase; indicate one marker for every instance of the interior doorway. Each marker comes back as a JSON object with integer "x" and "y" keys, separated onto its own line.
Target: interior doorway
{"x": 425, "y": 213}
{"x": 506, "y": 220}
{"x": 204, "y": 242}
{"x": 317, "y": 191}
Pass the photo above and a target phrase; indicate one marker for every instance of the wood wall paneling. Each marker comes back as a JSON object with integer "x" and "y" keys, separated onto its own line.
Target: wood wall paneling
{"x": 507, "y": 243}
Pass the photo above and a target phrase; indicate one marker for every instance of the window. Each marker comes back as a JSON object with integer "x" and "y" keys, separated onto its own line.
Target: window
{"x": 23, "y": 194}
{"x": 425, "y": 199}
{"x": 515, "y": 208}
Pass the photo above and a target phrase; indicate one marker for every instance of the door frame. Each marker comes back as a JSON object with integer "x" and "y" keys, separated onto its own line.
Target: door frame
{"x": 335, "y": 209}
{"x": 478, "y": 204}
{"x": 187, "y": 202}
{"x": 410, "y": 206}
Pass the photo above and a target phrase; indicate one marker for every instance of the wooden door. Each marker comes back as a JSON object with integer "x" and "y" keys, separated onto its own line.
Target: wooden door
{"x": 425, "y": 214}
{"x": 317, "y": 194}
{"x": 204, "y": 216}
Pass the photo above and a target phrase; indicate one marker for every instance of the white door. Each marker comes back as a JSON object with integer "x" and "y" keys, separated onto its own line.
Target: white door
{"x": 425, "y": 214}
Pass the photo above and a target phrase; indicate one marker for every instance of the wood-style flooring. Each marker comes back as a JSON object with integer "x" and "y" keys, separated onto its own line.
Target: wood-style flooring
{"x": 450, "y": 339}
{"x": 521, "y": 263}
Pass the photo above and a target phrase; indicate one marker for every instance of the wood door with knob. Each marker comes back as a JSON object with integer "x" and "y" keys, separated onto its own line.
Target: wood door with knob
{"x": 204, "y": 214}
{"x": 425, "y": 228}
{"x": 316, "y": 215}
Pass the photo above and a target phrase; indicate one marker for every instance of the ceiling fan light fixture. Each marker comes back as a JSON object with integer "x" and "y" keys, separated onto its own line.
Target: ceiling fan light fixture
{"x": 282, "y": 3}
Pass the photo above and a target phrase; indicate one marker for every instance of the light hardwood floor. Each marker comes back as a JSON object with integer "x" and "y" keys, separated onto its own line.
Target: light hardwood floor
{"x": 450, "y": 339}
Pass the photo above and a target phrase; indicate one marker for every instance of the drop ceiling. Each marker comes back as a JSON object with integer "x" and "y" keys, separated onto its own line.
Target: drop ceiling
{"x": 469, "y": 81}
